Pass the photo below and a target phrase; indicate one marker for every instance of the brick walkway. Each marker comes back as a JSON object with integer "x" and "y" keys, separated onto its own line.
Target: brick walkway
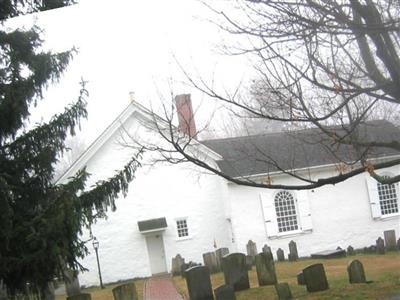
{"x": 160, "y": 288}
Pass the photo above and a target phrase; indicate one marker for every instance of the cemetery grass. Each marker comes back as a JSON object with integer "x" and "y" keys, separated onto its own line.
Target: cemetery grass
{"x": 106, "y": 294}
{"x": 383, "y": 270}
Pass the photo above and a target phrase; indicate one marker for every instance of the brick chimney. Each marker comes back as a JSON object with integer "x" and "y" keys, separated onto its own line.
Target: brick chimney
{"x": 185, "y": 115}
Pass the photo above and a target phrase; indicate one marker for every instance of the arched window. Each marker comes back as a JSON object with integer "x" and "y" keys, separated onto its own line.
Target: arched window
{"x": 388, "y": 199}
{"x": 286, "y": 212}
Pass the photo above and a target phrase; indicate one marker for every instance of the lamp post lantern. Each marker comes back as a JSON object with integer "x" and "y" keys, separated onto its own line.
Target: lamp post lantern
{"x": 96, "y": 249}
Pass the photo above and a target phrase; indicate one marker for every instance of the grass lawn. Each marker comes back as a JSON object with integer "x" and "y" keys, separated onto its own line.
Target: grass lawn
{"x": 106, "y": 293}
{"x": 384, "y": 270}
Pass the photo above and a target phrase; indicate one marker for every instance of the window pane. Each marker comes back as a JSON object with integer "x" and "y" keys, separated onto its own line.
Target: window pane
{"x": 286, "y": 212}
{"x": 182, "y": 228}
{"x": 388, "y": 199}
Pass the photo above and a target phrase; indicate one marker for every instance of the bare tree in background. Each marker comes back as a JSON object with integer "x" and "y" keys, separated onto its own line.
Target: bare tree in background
{"x": 328, "y": 65}
{"x": 75, "y": 147}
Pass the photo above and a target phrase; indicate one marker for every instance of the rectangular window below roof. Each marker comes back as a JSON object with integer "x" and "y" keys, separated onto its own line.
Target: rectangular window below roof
{"x": 388, "y": 199}
{"x": 182, "y": 228}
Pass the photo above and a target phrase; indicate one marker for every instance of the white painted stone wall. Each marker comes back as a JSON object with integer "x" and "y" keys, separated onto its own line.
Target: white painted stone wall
{"x": 341, "y": 216}
{"x": 170, "y": 191}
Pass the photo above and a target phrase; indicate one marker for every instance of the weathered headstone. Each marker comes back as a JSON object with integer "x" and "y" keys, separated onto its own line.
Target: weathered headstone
{"x": 251, "y": 248}
{"x": 125, "y": 292}
{"x": 350, "y": 250}
{"x": 326, "y": 254}
{"x": 219, "y": 253}
{"x": 265, "y": 268}
{"x": 266, "y": 249}
{"x": 199, "y": 283}
{"x": 176, "y": 264}
{"x": 398, "y": 244}
{"x": 184, "y": 267}
{"x": 224, "y": 292}
{"x": 380, "y": 246}
{"x": 356, "y": 272}
{"x": 390, "y": 239}
{"x": 293, "y": 255}
{"x": 315, "y": 278}
{"x": 250, "y": 260}
{"x": 49, "y": 292}
{"x": 235, "y": 271}
{"x": 373, "y": 249}
{"x": 283, "y": 291}
{"x": 210, "y": 261}
{"x": 188, "y": 265}
{"x": 72, "y": 286}
{"x": 300, "y": 279}
{"x": 280, "y": 255}
{"x": 59, "y": 287}
{"x": 3, "y": 291}
{"x": 83, "y": 296}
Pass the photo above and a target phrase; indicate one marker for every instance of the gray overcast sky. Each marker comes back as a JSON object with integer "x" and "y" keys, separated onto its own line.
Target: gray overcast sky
{"x": 129, "y": 46}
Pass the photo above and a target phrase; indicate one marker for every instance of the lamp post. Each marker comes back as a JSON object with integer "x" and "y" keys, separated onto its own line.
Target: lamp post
{"x": 96, "y": 248}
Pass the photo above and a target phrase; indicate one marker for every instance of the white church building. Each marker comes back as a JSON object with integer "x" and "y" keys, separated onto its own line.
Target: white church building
{"x": 179, "y": 208}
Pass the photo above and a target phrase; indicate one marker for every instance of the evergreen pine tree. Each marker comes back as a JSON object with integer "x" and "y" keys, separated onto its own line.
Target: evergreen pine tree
{"x": 40, "y": 222}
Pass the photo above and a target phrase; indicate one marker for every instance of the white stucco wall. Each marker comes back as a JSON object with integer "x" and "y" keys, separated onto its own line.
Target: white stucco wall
{"x": 215, "y": 210}
{"x": 341, "y": 216}
{"x": 170, "y": 191}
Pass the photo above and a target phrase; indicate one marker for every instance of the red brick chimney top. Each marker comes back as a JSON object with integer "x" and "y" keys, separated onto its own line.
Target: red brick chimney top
{"x": 184, "y": 109}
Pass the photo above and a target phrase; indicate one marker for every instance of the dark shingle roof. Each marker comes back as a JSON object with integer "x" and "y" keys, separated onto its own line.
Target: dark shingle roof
{"x": 257, "y": 154}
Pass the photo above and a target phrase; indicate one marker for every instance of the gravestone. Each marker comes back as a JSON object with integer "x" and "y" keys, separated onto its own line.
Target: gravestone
{"x": 356, "y": 272}
{"x": 224, "y": 292}
{"x": 266, "y": 249}
{"x": 210, "y": 261}
{"x": 176, "y": 265}
{"x": 3, "y": 291}
{"x": 283, "y": 291}
{"x": 82, "y": 296}
{"x": 235, "y": 271}
{"x": 280, "y": 255}
{"x": 199, "y": 283}
{"x": 300, "y": 279}
{"x": 265, "y": 268}
{"x": 326, "y": 254}
{"x": 49, "y": 292}
{"x": 250, "y": 260}
{"x": 380, "y": 246}
{"x": 72, "y": 286}
{"x": 125, "y": 292}
{"x": 390, "y": 239}
{"x": 315, "y": 278}
{"x": 293, "y": 255}
{"x": 398, "y": 244}
{"x": 373, "y": 249}
{"x": 186, "y": 266}
{"x": 350, "y": 250}
{"x": 219, "y": 253}
{"x": 251, "y": 248}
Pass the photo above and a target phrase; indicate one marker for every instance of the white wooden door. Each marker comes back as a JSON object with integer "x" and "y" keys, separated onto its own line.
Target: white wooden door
{"x": 155, "y": 247}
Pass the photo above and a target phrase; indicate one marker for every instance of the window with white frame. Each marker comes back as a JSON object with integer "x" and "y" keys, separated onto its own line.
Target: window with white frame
{"x": 388, "y": 199}
{"x": 182, "y": 228}
{"x": 286, "y": 213}
{"x": 383, "y": 198}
